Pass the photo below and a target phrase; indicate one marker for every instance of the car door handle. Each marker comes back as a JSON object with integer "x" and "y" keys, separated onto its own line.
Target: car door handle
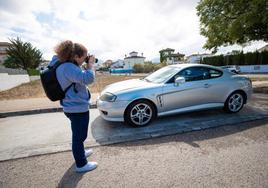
{"x": 207, "y": 85}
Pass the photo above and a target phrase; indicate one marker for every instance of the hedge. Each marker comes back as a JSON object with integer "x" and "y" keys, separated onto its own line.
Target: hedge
{"x": 33, "y": 72}
{"x": 251, "y": 58}
{"x": 147, "y": 67}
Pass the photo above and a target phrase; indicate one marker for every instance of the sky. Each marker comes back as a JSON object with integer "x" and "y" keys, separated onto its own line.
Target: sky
{"x": 110, "y": 29}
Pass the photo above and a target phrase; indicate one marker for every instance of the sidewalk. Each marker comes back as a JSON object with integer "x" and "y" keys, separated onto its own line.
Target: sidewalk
{"x": 33, "y": 106}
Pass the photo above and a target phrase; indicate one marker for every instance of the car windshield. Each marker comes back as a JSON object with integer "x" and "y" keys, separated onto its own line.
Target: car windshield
{"x": 162, "y": 75}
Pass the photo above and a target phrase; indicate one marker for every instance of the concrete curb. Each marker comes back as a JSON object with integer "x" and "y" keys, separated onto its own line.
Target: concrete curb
{"x": 35, "y": 111}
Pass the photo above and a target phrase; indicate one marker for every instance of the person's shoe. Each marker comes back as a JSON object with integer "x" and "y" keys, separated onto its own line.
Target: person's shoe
{"x": 88, "y": 152}
{"x": 88, "y": 167}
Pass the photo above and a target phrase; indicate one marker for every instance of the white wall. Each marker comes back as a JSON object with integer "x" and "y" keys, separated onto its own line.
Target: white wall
{"x": 130, "y": 62}
{"x": 254, "y": 68}
{"x": 9, "y": 81}
{"x": 33, "y": 78}
{"x": 194, "y": 59}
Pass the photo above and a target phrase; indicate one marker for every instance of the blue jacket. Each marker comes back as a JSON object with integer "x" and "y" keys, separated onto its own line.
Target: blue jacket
{"x": 77, "y": 97}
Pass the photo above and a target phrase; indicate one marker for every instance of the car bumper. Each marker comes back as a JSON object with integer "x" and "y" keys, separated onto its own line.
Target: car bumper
{"x": 112, "y": 111}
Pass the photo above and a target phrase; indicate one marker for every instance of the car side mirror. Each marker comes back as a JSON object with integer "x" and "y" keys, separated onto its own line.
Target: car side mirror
{"x": 179, "y": 81}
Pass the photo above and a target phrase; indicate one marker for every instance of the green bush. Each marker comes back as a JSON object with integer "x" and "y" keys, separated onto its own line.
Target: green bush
{"x": 263, "y": 57}
{"x": 147, "y": 67}
{"x": 33, "y": 72}
{"x": 103, "y": 69}
{"x": 250, "y": 58}
{"x": 214, "y": 60}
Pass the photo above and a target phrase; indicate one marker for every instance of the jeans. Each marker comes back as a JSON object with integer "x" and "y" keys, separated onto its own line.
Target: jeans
{"x": 79, "y": 125}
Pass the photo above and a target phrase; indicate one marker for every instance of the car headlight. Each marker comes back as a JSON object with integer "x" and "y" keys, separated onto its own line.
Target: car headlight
{"x": 109, "y": 97}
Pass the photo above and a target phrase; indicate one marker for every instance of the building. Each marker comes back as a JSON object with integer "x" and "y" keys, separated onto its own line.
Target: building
{"x": 132, "y": 59}
{"x": 107, "y": 63}
{"x": 265, "y": 48}
{"x": 196, "y": 58}
{"x": 170, "y": 57}
{"x": 3, "y": 52}
{"x": 43, "y": 65}
{"x": 117, "y": 64}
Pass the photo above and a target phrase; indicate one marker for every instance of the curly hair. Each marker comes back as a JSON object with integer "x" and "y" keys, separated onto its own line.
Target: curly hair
{"x": 67, "y": 50}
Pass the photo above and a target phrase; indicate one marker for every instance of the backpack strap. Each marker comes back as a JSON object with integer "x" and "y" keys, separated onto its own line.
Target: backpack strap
{"x": 72, "y": 84}
{"x": 55, "y": 66}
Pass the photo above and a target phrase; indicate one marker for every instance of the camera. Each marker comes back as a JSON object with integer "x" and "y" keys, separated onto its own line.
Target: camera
{"x": 87, "y": 59}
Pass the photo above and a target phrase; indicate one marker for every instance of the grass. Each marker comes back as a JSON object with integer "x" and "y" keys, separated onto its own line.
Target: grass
{"x": 34, "y": 89}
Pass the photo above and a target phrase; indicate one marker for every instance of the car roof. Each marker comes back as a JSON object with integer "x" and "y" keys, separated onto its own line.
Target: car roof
{"x": 187, "y": 65}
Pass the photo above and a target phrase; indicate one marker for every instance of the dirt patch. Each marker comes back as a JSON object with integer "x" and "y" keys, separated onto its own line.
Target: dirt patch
{"x": 29, "y": 90}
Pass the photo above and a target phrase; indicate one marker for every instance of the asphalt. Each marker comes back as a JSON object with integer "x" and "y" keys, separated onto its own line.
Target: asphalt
{"x": 228, "y": 156}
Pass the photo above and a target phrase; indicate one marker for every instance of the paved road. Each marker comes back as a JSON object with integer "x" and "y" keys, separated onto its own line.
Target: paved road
{"x": 30, "y": 135}
{"x": 228, "y": 156}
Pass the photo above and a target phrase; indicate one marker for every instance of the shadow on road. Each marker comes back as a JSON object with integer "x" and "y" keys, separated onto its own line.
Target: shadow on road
{"x": 105, "y": 132}
{"x": 195, "y": 136}
{"x": 70, "y": 178}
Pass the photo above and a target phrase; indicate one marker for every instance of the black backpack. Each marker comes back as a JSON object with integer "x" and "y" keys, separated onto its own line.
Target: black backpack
{"x": 51, "y": 84}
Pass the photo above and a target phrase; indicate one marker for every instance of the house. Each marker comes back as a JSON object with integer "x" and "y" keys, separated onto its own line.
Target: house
{"x": 118, "y": 64}
{"x": 170, "y": 57}
{"x": 43, "y": 64}
{"x": 132, "y": 59}
{"x": 3, "y": 52}
{"x": 265, "y": 48}
{"x": 196, "y": 58}
{"x": 107, "y": 63}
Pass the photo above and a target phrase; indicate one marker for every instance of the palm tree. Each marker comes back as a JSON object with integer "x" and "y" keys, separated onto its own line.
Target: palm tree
{"x": 22, "y": 55}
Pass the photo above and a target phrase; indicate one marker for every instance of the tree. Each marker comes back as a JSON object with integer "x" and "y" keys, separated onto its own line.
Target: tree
{"x": 227, "y": 22}
{"x": 22, "y": 55}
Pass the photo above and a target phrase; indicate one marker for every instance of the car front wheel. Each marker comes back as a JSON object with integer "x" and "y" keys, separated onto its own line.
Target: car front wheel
{"x": 234, "y": 102}
{"x": 140, "y": 113}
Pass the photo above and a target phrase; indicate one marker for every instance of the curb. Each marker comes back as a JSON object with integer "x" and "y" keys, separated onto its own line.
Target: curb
{"x": 36, "y": 111}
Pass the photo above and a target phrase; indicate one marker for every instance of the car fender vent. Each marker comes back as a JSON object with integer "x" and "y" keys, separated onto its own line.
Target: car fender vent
{"x": 160, "y": 100}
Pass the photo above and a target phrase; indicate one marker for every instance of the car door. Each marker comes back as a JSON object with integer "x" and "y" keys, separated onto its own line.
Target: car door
{"x": 195, "y": 91}
{"x": 216, "y": 86}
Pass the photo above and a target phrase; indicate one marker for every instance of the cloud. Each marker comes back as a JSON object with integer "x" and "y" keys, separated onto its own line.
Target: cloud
{"x": 108, "y": 28}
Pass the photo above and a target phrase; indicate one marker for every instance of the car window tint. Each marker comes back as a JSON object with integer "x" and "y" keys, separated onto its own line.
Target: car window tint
{"x": 195, "y": 73}
{"x": 214, "y": 73}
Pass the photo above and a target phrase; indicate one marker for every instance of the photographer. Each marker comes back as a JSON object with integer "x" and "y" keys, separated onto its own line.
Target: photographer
{"x": 76, "y": 102}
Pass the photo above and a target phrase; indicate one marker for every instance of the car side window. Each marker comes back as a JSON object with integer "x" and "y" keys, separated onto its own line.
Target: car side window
{"x": 195, "y": 74}
{"x": 214, "y": 73}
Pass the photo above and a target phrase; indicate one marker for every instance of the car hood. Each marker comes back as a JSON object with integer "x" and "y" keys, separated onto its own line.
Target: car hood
{"x": 127, "y": 85}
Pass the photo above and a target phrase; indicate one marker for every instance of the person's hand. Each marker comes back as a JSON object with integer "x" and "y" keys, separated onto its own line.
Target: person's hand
{"x": 91, "y": 62}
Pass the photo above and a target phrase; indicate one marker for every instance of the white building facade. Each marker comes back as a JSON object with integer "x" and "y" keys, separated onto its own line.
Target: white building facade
{"x": 196, "y": 58}
{"x": 132, "y": 60}
{"x": 117, "y": 64}
{"x": 3, "y": 52}
{"x": 170, "y": 57}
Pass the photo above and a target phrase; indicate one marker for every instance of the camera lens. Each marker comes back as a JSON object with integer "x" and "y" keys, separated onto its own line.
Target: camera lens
{"x": 87, "y": 59}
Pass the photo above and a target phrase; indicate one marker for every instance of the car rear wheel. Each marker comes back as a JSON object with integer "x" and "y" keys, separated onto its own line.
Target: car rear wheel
{"x": 140, "y": 113}
{"x": 234, "y": 102}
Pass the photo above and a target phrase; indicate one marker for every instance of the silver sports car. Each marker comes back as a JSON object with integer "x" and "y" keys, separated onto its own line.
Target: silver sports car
{"x": 173, "y": 89}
